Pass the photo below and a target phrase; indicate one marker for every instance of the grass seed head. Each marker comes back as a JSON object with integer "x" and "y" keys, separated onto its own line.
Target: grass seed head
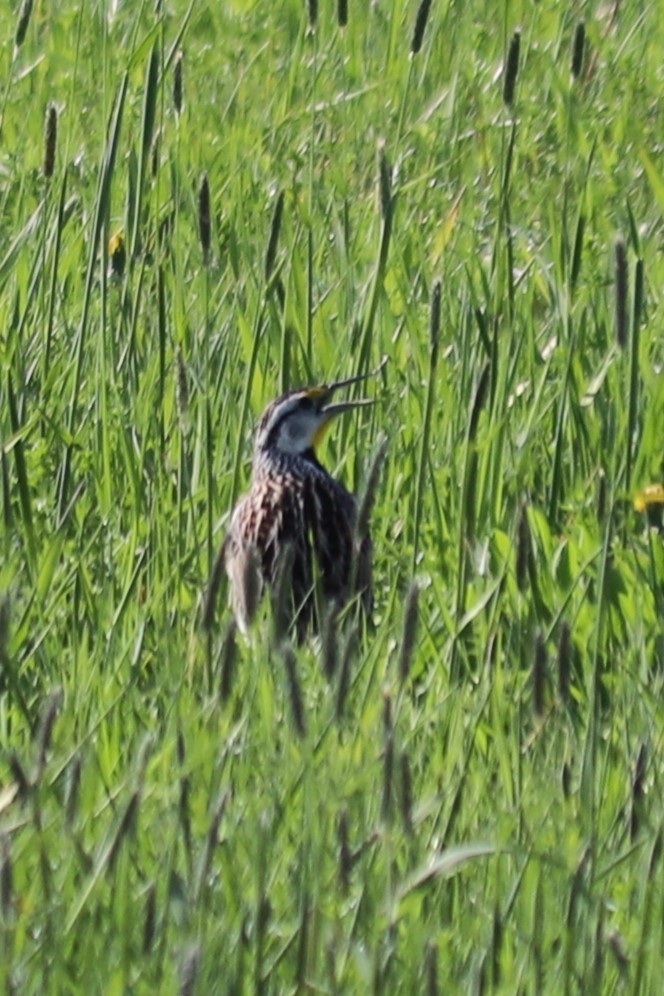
{"x": 178, "y": 91}
{"x": 182, "y": 388}
{"x": 431, "y": 969}
{"x": 420, "y": 26}
{"x": 180, "y": 748}
{"x": 369, "y": 495}
{"x": 155, "y": 149}
{"x": 50, "y": 140}
{"x": 622, "y": 280}
{"x": 434, "y": 319}
{"x": 73, "y": 788}
{"x": 312, "y": 12}
{"x": 578, "y": 49}
{"x": 23, "y": 22}
{"x": 522, "y": 548}
{"x": 511, "y": 68}
{"x": 6, "y": 878}
{"x": 388, "y": 778}
{"x": 388, "y": 758}
{"x": 204, "y": 222}
{"x": 228, "y": 657}
{"x": 329, "y": 646}
{"x": 409, "y": 631}
{"x": 273, "y": 241}
{"x": 638, "y": 791}
{"x": 342, "y": 13}
{"x": 345, "y": 853}
{"x": 251, "y": 582}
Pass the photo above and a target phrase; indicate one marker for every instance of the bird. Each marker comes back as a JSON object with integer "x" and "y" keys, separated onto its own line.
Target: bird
{"x": 295, "y": 530}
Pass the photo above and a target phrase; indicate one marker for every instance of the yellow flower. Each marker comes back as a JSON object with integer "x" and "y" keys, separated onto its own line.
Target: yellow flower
{"x": 653, "y": 494}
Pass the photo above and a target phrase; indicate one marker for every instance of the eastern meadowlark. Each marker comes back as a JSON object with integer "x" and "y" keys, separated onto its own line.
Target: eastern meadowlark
{"x": 297, "y": 524}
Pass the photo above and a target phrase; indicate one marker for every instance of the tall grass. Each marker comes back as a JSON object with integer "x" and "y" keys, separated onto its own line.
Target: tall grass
{"x": 463, "y": 795}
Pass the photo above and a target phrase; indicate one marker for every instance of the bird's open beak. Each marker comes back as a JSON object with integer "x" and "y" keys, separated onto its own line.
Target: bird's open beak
{"x": 325, "y": 392}
{"x": 327, "y": 410}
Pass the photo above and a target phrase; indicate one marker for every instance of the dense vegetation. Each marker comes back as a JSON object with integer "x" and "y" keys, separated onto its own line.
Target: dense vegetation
{"x": 200, "y": 206}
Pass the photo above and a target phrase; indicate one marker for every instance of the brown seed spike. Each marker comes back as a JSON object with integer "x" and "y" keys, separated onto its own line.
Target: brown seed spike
{"x": 511, "y": 69}
{"x": 50, "y": 140}
{"x": 638, "y": 789}
{"x": 72, "y": 792}
{"x": 434, "y": 318}
{"x": 6, "y": 879}
{"x": 177, "y": 84}
{"x": 182, "y": 387}
{"x": 23, "y": 22}
{"x": 228, "y": 656}
{"x": 204, "y": 223}
{"x": 622, "y": 280}
{"x": 431, "y": 969}
{"x": 522, "y": 549}
{"x": 409, "y": 631}
{"x": 345, "y": 854}
{"x": 578, "y": 49}
{"x": 330, "y": 643}
{"x": 273, "y": 241}
{"x": 388, "y": 777}
{"x": 420, "y": 26}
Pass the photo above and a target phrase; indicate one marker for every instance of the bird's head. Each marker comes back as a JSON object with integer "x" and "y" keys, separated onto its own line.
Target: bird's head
{"x": 295, "y": 423}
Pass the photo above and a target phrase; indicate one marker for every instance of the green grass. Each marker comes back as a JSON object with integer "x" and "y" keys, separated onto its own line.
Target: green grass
{"x": 480, "y": 811}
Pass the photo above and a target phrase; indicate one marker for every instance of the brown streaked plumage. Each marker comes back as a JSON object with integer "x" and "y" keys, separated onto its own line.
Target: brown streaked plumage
{"x": 296, "y": 517}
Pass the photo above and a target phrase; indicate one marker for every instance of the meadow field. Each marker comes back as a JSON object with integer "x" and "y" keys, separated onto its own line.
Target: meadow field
{"x": 202, "y": 205}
